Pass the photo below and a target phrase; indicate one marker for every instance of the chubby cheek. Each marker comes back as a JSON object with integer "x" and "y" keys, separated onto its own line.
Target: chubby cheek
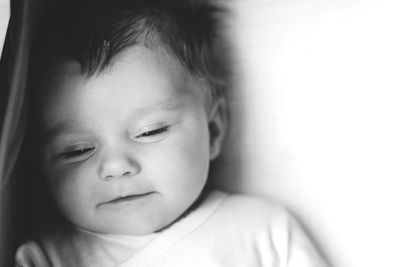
{"x": 70, "y": 189}
{"x": 188, "y": 161}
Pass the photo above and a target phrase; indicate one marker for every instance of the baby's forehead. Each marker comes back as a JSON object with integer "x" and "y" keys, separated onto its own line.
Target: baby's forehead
{"x": 137, "y": 66}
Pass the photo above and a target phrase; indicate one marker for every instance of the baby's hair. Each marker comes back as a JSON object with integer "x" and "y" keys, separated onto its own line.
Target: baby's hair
{"x": 94, "y": 33}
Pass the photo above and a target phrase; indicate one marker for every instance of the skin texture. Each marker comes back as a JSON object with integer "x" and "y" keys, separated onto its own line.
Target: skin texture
{"x": 127, "y": 151}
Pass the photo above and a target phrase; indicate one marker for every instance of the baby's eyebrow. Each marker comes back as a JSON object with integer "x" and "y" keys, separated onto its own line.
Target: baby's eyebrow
{"x": 166, "y": 105}
{"x": 61, "y": 129}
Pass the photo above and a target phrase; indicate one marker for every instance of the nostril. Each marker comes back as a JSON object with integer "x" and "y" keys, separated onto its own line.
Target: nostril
{"x": 127, "y": 173}
{"x": 108, "y": 177}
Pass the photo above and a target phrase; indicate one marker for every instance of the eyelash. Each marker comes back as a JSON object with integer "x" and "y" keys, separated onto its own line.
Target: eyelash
{"x": 153, "y": 132}
{"x": 77, "y": 152}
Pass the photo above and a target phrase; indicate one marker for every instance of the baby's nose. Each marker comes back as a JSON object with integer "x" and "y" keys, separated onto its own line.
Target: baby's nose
{"x": 114, "y": 165}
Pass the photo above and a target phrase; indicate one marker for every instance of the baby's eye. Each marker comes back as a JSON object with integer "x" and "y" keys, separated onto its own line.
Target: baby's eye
{"x": 77, "y": 153}
{"x": 152, "y": 135}
{"x": 153, "y": 132}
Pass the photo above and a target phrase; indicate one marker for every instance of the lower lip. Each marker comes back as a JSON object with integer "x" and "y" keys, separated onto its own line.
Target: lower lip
{"x": 133, "y": 199}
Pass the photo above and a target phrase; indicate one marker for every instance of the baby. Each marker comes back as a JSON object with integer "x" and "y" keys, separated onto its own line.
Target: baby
{"x": 129, "y": 112}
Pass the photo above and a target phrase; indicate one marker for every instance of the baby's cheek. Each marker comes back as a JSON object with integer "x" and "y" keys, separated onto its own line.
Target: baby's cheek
{"x": 194, "y": 163}
{"x": 66, "y": 184}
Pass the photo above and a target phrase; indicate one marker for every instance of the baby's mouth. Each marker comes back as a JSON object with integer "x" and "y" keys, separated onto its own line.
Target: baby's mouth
{"x": 127, "y": 198}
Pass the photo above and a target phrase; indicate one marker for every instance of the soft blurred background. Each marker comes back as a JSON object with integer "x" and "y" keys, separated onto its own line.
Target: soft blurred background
{"x": 315, "y": 117}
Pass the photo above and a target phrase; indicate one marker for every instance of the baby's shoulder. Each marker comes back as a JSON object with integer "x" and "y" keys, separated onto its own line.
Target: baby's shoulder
{"x": 255, "y": 201}
{"x": 254, "y": 209}
{"x": 268, "y": 224}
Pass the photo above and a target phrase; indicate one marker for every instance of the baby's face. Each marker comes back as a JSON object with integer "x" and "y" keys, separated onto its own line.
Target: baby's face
{"x": 126, "y": 151}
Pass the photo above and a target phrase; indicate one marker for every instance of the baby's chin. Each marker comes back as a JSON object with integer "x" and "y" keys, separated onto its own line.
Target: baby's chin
{"x": 129, "y": 227}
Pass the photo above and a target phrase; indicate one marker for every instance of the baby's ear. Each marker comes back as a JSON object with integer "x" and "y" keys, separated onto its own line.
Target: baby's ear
{"x": 217, "y": 126}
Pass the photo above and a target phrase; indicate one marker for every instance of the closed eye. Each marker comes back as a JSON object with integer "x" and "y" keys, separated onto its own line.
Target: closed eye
{"x": 77, "y": 153}
{"x": 153, "y": 132}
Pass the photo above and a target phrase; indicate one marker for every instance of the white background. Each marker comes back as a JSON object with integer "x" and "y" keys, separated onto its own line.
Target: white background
{"x": 316, "y": 119}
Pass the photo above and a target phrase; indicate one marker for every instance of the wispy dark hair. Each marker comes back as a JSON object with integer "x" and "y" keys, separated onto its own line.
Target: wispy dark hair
{"x": 94, "y": 33}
